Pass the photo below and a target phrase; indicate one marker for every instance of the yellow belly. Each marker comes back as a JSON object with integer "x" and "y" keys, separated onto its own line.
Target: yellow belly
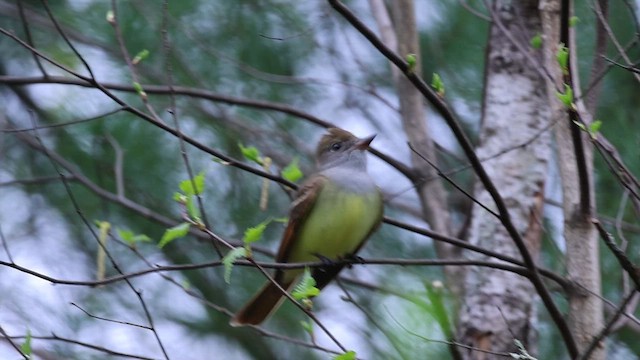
{"x": 337, "y": 224}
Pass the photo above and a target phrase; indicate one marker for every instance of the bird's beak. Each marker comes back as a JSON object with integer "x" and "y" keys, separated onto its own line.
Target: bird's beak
{"x": 363, "y": 144}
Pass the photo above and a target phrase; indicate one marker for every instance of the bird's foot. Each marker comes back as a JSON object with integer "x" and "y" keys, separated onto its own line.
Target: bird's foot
{"x": 354, "y": 258}
{"x": 325, "y": 260}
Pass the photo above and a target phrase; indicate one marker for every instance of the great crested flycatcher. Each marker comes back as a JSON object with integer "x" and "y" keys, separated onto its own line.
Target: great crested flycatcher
{"x": 334, "y": 213}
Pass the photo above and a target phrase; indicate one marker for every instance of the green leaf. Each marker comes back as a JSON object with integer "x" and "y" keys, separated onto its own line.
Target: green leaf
{"x": 187, "y": 186}
{"x": 131, "y": 238}
{"x": 566, "y": 97}
{"x": 25, "y": 347}
{"x": 140, "y": 56}
{"x": 254, "y": 234}
{"x": 536, "y": 41}
{"x": 141, "y": 238}
{"x": 192, "y": 209}
{"x": 436, "y": 307}
{"x": 580, "y": 125}
{"x": 173, "y": 233}
{"x": 412, "y": 61}
{"x": 103, "y": 236}
{"x": 219, "y": 161}
{"x": 573, "y": 21}
{"x": 349, "y": 355}
{"x": 111, "y": 18}
{"x": 437, "y": 84}
{"x": 594, "y": 127}
{"x": 562, "y": 55}
{"x": 104, "y": 226}
{"x": 306, "y": 287}
{"x": 126, "y": 235}
{"x": 292, "y": 172}
{"x": 229, "y": 259}
{"x": 523, "y": 353}
{"x": 138, "y": 88}
{"x": 251, "y": 153}
{"x": 179, "y": 197}
{"x": 185, "y": 284}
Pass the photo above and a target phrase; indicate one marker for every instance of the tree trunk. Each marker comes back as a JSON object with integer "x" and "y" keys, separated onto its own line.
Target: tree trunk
{"x": 414, "y": 122}
{"x": 581, "y": 237}
{"x": 499, "y": 306}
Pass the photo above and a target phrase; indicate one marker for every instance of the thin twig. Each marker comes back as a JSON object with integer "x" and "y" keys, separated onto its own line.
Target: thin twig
{"x": 5, "y": 245}
{"x": 63, "y": 124}
{"x": 110, "y": 320}
{"x": 166, "y": 45}
{"x": 617, "y": 167}
{"x": 71, "y": 195}
{"x": 284, "y": 291}
{"x": 473, "y": 11}
{"x": 623, "y": 259}
{"x": 118, "y": 166}
{"x": 76, "y": 206}
{"x": 204, "y": 301}
{"x": 522, "y": 47}
{"x": 269, "y": 265}
{"x": 90, "y": 82}
{"x": 597, "y": 341}
{"x": 195, "y": 93}
{"x": 13, "y": 344}
{"x": 372, "y": 319}
{"x": 101, "y": 349}
{"x": 114, "y": 21}
{"x": 453, "y": 183}
{"x": 27, "y": 31}
{"x": 598, "y": 65}
{"x": 633, "y": 69}
{"x": 603, "y": 21}
{"x": 450, "y": 343}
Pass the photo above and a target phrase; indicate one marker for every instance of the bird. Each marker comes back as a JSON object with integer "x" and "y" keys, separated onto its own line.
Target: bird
{"x": 332, "y": 215}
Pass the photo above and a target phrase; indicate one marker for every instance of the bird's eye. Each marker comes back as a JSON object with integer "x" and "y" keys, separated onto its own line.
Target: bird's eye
{"x": 336, "y": 146}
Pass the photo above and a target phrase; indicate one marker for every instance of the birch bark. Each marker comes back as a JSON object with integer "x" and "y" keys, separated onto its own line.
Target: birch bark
{"x": 500, "y": 306}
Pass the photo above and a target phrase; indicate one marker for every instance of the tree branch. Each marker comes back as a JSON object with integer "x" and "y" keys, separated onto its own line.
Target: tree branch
{"x": 623, "y": 259}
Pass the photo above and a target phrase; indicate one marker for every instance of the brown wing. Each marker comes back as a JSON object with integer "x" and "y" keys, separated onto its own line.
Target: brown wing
{"x": 300, "y": 207}
{"x": 269, "y": 298}
{"x": 263, "y": 304}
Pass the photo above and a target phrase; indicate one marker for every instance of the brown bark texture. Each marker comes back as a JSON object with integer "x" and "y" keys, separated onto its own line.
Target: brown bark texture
{"x": 581, "y": 237}
{"x": 415, "y": 124}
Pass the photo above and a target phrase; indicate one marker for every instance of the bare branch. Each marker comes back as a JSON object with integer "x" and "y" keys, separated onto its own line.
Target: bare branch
{"x": 101, "y": 349}
{"x": 13, "y": 344}
{"x": 208, "y": 95}
{"x": 599, "y": 65}
{"x": 596, "y": 342}
{"x": 623, "y": 259}
{"x": 601, "y": 15}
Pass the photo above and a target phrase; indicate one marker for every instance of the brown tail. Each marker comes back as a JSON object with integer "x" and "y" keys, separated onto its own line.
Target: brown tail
{"x": 260, "y": 306}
